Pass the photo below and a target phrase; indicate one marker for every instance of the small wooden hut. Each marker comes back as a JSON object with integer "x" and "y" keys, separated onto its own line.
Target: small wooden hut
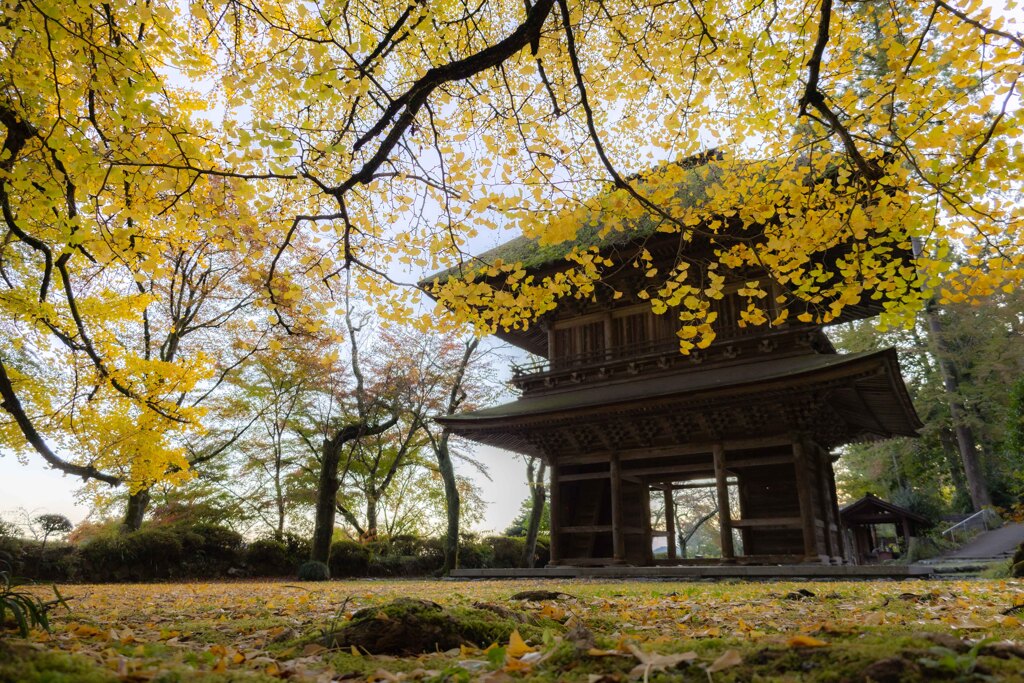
{"x": 863, "y": 517}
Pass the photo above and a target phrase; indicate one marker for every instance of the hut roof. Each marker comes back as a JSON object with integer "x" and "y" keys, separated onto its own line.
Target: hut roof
{"x": 873, "y": 510}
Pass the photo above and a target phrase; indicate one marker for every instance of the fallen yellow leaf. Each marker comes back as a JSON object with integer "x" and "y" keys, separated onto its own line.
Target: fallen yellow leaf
{"x": 805, "y": 641}
{"x": 515, "y": 665}
{"x": 517, "y": 647}
{"x": 553, "y": 612}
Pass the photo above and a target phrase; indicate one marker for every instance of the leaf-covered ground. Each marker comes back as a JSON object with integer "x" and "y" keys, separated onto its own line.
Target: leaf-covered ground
{"x": 594, "y": 632}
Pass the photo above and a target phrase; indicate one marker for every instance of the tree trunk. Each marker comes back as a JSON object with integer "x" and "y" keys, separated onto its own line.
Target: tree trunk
{"x": 538, "y": 494}
{"x": 135, "y": 511}
{"x": 327, "y": 490}
{"x": 954, "y": 464}
{"x": 968, "y": 448}
{"x": 371, "y": 513}
{"x": 326, "y": 499}
{"x": 973, "y": 470}
{"x": 452, "y": 503}
{"x": 279, "y": 492}
{"x": 684, "y": 539}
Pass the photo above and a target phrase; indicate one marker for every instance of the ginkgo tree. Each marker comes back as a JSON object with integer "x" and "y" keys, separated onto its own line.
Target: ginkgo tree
{"x": 383, "y": 139}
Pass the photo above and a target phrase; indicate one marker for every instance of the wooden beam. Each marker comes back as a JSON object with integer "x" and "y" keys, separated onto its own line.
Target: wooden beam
{"x": 674, "y": 451}
{"x": 554, "y": 545}
{"x": 768, "y": 522}
{"x": 588, "y": 561}
{"x": 618, "y": 537}
{"x": 705, "y": 467}
{"x": 670, "y": 523}
{"x": 582, "y": 476}
{"x": 670, "y": 469}
{"x": 722, "y": 486}
{"x": 599, "y": 528}
{"x": 805, "y": 496}
{"x": 684, "y": 487}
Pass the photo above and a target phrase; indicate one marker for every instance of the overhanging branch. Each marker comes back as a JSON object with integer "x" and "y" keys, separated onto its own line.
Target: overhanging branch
{"x": 12, "y": 405}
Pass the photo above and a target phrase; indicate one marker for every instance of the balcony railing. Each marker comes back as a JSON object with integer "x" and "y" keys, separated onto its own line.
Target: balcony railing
{"x": 660, "y": 356}
{"x": 597, "y": 358}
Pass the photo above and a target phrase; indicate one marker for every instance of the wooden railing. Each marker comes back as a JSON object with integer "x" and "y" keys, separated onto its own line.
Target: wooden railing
{"x": 592, "y": 359}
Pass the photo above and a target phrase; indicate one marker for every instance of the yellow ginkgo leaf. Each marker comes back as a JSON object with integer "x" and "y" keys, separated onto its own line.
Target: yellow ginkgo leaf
{"x": 517, "y": 647}
{"x": 805, "y": 641}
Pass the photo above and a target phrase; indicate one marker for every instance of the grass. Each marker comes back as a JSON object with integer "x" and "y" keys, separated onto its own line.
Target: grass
{"x": 844, "y": 631}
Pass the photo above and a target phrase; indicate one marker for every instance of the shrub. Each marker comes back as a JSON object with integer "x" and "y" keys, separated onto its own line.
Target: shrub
{"x": 269, "y": 557}
{"x": 150, "y": 553}
{"x": 213, "y": 540}
{"x": 474, "y": 553}
{"x": 385, "y": 566}
{"x": 506, "y": 551}
{"x": 349, "y": 558}
{"x": 87, "y": 531}
{"x": 406, "y": 545}
{"x": 208, "y": 549}
{"x": 1017, "y": 562}
{"x": 10, "y": 554}
{"x": 49, "y": 562}
{"x": 542, "y": 553}
{"x": 298, "y": 547}
{"x": 314, "y": 570}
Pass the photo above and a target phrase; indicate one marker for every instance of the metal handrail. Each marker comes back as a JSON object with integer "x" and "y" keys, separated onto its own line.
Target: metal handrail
{"x": 984, "y": 515}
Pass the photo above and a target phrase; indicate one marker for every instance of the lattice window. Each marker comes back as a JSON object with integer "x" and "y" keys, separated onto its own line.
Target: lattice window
{"x": 630, "y": 330}
{"x": 579, "y": 343}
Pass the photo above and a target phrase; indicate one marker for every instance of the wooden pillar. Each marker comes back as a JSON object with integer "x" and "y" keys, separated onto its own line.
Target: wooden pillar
{"x": 806, "y": 499}
{"x": 834, "y": 502}
{"x": 646, "y": 526}
{"x": 554, "y": 499}
{"x": 724, "y": 514}
{"x": 609, "y": 336}
{"x": 551, "y": 343}
{"x": 906, "y": 534}
{"x": 824, "y": 496}
{"x": 670, "y": 522}
{"x": 618, "y": 537}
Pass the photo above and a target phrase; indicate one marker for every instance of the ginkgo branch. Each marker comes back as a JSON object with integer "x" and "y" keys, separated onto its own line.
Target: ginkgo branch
{"x": 14, "y": 408}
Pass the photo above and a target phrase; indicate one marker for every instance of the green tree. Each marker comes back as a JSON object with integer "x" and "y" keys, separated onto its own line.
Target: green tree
{"x": 985, "y": 343}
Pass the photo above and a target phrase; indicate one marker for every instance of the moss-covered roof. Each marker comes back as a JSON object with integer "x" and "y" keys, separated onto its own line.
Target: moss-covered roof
{"x": 596, "y": 230}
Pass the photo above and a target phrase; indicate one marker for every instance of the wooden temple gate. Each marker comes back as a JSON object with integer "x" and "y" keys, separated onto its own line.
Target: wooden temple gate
{"x": 615, "y": 409}
{"x": 767, "y": 425}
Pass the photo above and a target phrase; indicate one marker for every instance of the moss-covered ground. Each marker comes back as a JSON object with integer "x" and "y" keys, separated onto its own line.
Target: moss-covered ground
{"x": 601, "y": 632}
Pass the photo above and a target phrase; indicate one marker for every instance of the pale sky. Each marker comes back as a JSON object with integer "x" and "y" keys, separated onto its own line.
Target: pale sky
{"x": 39, "y": 489}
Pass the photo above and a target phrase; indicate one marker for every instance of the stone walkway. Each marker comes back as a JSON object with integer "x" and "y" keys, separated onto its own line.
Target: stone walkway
{"x": 991, "y": 545}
